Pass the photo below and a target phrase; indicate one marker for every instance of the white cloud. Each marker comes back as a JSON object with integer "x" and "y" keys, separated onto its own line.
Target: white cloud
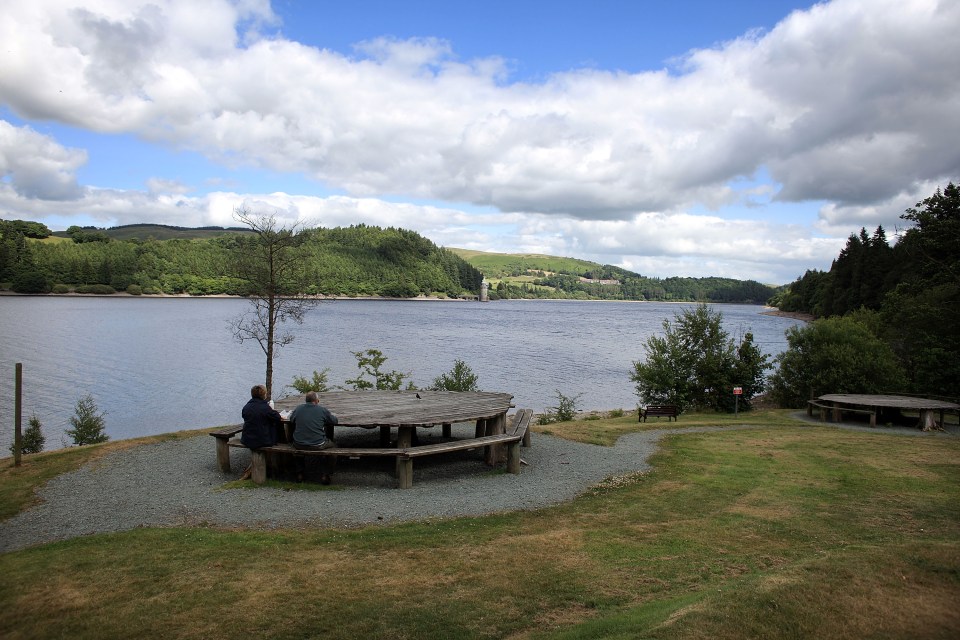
{"x": 852, "y": 103}
{"x": 34, "y": 166}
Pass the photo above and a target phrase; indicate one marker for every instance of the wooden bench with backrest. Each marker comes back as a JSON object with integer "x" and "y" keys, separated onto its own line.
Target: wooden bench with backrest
{"x": 658, "y": 411}
{"x": 517, "y": 433}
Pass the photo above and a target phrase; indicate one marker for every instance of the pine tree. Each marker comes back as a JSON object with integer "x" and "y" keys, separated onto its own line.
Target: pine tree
{"x": 88, "y": 423}
{"x": 33, "y": 439}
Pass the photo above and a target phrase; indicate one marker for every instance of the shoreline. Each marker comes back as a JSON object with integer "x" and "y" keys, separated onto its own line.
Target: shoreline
{"x": 796, "y": 315}
{"x": 773, "y": 311}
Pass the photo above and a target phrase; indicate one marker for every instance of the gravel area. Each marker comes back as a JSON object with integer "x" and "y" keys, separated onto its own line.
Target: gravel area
{"x": 177, "y": 483}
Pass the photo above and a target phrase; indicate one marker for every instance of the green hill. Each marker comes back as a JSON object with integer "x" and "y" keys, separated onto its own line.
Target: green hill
{"x": 501, "y": 265}
{"x": 542, "y": 276}
{"x": 159, "y": 232}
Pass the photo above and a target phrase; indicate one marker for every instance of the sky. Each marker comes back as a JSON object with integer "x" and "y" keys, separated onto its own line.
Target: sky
{"x": 745, "y": 139}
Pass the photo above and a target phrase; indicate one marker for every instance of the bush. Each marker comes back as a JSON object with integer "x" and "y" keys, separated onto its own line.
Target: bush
{"x": 318, "y": 383}
{"x": 31, "y": 282}
{"x": 836, "y": 355}
{"x": 88, "y": 423}
{"x": 134, "y": 290}
{"x": 696, "y": 364}
{"x": 369, "y": 363}
{"x": 565, "y": 410}
{"x": 61, "y": 288}
{"x": 32, "y": 440}
{"x": 97, "y": 289}
{"x": 460, "y": 378}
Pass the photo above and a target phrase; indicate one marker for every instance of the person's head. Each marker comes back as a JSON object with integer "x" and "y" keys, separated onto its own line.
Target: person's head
{"x": 258, "y": 391}
{"x": 312, "y": 397}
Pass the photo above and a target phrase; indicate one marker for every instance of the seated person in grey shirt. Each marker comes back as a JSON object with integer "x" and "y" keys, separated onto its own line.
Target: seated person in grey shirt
{"x": 310, "y": 422}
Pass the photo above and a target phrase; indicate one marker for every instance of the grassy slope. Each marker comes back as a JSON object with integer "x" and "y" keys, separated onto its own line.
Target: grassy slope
{"x": 494, "y": 265}
{"x": 786, "y": 530}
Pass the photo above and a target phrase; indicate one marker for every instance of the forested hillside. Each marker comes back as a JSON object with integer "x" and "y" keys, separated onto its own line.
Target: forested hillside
{"x": 352, "y": 261}
{"x": 541, "y": 276}
{"x": 907, "y": 294}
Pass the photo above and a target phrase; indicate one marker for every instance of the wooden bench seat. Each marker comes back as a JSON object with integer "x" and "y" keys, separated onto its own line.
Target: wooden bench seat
{"x": 838, "y": 411}
{"x": 657, "y": 411}
{"x": 518, "y": 433}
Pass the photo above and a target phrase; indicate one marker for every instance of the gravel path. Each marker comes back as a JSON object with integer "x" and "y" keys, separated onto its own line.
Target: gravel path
{"x": 177, "y": 483}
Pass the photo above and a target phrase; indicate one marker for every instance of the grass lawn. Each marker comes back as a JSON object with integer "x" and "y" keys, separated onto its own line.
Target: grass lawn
{"x": 785, "y": 531}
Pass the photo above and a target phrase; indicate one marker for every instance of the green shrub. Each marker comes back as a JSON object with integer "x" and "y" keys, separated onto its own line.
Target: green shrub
{"x": 616, "y": 413}
{"x": 97, "y": 289}
{"x": 88, "y": 423}
{"x": 32, "y": 440}
{"x": 369, "y": 363}
{"x": 460, "y": 378}
{"x": 835, "y": 355}
{"x": 565, "y": 410}
{"x": 150, "y": 291}
{"x": 318, "y": 383}
{"x": 134, "y": 289}
{"x": 61, "y": 288}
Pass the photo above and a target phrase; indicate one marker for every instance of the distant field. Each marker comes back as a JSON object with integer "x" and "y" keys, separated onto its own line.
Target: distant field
{"x": 498, "y": 265}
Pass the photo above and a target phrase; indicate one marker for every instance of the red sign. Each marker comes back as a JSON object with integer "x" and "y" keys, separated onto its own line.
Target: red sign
{"x": 738, "y": 391}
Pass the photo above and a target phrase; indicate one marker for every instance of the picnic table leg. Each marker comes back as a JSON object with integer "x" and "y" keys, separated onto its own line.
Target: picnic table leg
{"x": 258, "y": 462}
{"x": 405, "y": 465}
{"x": 404, "y": 472}
{"x": 513, "y": 457}
{"x": 481, "y": 428}
{"x": 837, "y": 417}
{"x": 223, "y": 455}
{"x": 495, "y": 426}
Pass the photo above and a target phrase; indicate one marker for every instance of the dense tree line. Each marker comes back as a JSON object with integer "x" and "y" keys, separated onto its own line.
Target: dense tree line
{"x": 632, "y": 286}
{"x": 358, "y": 260}
{"x": 906, "y": 295}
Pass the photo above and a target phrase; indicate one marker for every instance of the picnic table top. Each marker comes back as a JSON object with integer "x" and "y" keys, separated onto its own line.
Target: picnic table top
{"x": 888, "y": 400}
{"x": 407, "y": 408}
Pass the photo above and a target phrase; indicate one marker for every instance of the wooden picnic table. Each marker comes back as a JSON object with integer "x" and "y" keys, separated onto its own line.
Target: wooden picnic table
{"x": 872, "y": 404}
{"x": 407, "y": 410}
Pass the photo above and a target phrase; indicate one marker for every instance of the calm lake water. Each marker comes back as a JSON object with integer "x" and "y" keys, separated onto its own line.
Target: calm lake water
{"x": 160, "y": 365}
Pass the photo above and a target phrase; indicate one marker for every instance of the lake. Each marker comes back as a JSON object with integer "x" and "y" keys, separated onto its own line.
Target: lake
{"x": 155, "y": 365}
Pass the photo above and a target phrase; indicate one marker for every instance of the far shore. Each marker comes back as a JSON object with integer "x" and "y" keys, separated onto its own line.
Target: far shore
{"x": 769, "y": 311}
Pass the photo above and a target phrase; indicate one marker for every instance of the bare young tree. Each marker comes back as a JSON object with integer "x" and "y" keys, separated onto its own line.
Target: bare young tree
{"x": 272, "y": 265}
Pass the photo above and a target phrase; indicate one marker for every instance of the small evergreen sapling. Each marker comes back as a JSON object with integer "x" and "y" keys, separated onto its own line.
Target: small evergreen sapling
{"x": 33, "y": 439}
{"x": 88, "y": 423}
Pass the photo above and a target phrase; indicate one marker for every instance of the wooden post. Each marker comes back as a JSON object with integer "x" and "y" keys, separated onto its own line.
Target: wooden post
{"x": 17, "y": 414}
{"x": 446, "y": 429}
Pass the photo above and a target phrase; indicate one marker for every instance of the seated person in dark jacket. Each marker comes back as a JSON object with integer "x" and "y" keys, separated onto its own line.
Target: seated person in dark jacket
{"x": 261, "y": 424}
{"x": 310, "y": 422}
